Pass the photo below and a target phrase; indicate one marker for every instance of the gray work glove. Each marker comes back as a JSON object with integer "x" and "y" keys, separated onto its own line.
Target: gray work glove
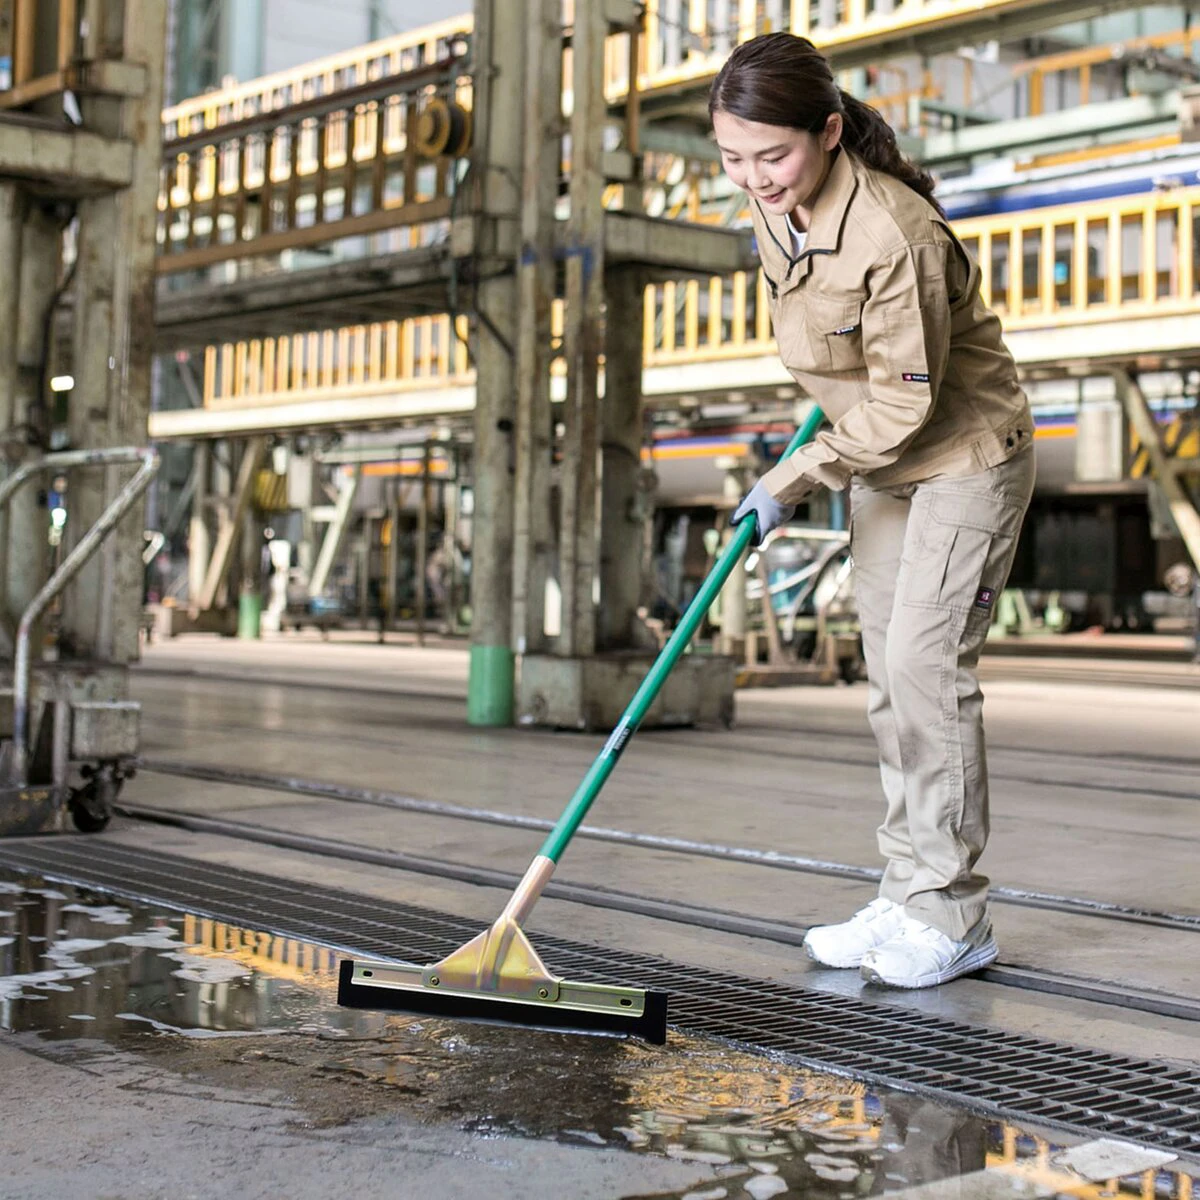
{"x": 768, "y": 513}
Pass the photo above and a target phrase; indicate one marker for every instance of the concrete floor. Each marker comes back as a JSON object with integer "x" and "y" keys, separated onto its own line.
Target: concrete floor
{"x": 1094, "y": 796}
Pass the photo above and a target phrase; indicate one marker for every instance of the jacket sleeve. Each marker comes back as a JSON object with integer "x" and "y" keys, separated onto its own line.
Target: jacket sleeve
{"x": 906, "y": 344}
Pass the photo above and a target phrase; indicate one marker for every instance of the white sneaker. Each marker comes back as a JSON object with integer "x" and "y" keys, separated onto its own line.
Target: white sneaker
{"x": 919, "y": 956}
{"x": 844, "y": 945}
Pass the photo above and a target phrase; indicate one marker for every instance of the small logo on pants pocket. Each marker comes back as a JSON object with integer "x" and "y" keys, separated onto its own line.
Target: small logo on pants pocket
{"x": 984, "y": 598}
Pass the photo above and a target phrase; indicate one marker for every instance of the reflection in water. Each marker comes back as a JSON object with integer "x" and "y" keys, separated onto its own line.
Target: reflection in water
{"x": 76, "y": 964}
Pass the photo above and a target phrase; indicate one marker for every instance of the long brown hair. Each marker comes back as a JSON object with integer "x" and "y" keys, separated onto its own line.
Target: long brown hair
{"x": 782, "y": 79}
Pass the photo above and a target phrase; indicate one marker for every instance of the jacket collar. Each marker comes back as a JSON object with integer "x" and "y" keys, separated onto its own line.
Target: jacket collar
{"x": 824, "y": 230}
{"x": 829, "y": 212}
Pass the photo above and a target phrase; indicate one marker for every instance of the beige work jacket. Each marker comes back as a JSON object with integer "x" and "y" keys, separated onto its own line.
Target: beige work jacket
{"x": 880, "y": 321}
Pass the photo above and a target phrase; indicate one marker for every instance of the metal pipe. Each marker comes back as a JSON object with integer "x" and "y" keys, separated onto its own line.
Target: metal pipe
{"x": 88, "y": 545}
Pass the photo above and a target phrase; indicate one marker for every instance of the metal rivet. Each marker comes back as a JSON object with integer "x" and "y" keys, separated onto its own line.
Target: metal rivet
{"x": 434, "y": 981}
{"x": 543, "y": 993}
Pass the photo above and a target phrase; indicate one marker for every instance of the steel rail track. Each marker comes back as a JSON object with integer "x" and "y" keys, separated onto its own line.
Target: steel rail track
{"x": 678, "y": 912}
{"x": 1078, "y": 906}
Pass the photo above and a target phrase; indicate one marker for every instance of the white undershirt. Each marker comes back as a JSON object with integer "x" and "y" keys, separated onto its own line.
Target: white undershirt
{"x": 799, "y": 237}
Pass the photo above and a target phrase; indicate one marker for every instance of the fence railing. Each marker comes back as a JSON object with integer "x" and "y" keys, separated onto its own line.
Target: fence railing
{"x": 1108, "y": 260}
{"x": 357, "y": 161}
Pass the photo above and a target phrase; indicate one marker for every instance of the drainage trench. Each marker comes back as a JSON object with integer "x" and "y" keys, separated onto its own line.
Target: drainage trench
{"x": 1025, "y": 1077}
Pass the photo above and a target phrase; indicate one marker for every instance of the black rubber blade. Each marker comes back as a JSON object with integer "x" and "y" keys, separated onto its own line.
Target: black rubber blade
{"x": 650, "y": 1025}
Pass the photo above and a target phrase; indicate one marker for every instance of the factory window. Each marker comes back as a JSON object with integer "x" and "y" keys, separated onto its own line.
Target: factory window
{"x": 1097, "y": 253}
{"x": 1166, "y": 241}
{"x": 1131, "y": 257}
{"x": 1064, "y": 268}
{"x": 1001, "y": 247}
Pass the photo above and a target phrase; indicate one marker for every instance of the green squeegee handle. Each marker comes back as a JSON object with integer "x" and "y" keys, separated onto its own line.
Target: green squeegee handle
{"x": 600, "y": 770}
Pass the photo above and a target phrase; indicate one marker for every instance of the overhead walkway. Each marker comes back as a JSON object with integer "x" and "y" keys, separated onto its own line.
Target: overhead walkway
{"x": 276, "y": 191}
{"x": 1110, "y": 285}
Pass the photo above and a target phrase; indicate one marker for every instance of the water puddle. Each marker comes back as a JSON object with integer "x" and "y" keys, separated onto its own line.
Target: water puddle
{"x": 77, "y": 964}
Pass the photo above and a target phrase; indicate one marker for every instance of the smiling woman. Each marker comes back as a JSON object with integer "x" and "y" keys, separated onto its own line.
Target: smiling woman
{"x": 878, "y": 316}
{"x": 781, "y": 84}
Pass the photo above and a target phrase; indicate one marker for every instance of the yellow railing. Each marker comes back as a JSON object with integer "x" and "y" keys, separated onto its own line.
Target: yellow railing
{"x": 321, "y": 77}
{"x": 1100, "y": 261}
{"x": 679, "y": 43}
{"x": 1080, "y": 263}
{"x": 1078, "y": 65}
{"x": 361, "y": 360}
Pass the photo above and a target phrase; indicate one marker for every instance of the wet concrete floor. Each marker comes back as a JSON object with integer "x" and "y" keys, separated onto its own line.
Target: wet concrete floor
{"x": 238, "y": 1008}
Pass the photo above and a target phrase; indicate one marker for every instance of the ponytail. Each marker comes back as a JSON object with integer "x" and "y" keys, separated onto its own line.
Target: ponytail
{"x": 869, "y": 136}
{"x": 782, "y": 79}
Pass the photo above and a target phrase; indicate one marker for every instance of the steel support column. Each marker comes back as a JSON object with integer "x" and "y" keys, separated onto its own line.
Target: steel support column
{"x": 114, "y": 328}
{"x": 583, "y": 334}
{"x": 12, "y": 223}
{"x": 1179, "y": 500}
{"x": 28, "y": 558}
{"x": 623, "y": 515}
{"x": 499, "y": 108}
{"x": 533, "y": 531}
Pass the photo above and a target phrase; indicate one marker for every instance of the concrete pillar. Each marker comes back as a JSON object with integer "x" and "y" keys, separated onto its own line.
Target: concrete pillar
{"x": 12, "y": 224}
{"x": 623, "y": 515}
{"x": 536, "y": 275}
{"x": 499, "y": 109}
{"x": 28, "y": 559}
{"x": 583, "y": 338}
{"x": 114, "y": 331}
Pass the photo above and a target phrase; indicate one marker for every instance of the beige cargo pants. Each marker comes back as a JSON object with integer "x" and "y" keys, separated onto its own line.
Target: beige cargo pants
{"x": 930, "y": 561}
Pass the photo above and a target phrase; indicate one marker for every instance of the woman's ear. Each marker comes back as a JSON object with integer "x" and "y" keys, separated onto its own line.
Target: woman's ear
{"x": 831, "y": 135}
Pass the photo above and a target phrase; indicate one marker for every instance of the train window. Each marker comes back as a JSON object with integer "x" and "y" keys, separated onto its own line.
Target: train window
{"x": 1166, "y": 253}
{"x": 1000, "y": 257}
{"x": 1064, "y": 270}
{"x": 1131, "y": 256}
{"x": 1031, "y": 270}
{"x": 1097, "y": 252}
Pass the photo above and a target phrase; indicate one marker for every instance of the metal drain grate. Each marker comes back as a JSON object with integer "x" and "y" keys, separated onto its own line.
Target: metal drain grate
{"x": 1029, "y": 1077}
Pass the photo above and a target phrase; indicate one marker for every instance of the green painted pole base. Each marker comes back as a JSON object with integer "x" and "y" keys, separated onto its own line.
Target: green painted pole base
{"x": 249, "y": 615}
{"x": 490, "y": 686}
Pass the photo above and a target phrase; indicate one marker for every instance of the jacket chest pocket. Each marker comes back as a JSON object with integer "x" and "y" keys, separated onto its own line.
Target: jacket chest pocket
{"x": 834, "y": 327}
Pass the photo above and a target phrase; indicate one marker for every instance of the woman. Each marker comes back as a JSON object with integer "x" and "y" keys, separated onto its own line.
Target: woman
{"x": 877, "y": 315}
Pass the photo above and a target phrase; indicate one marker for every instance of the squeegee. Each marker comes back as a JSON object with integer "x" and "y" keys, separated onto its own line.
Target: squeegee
{"x": 498, "y": 975}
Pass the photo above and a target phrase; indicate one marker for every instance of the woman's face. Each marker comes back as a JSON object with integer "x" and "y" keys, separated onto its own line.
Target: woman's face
{"x": 782, "y": 168}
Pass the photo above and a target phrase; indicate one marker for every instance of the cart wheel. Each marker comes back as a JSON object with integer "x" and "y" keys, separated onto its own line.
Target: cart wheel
{"x": 92, "y": 804}
{"x": 87, "y": 821}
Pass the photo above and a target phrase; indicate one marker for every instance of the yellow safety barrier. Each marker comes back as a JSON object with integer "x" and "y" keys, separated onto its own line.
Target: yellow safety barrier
{"x": 679, "y": 44}
{"x": 1078, "y": 264}
{"x": 1081, "y": 263}
{"x": 321, "y": 77}
{"x": 358, "y": 361}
